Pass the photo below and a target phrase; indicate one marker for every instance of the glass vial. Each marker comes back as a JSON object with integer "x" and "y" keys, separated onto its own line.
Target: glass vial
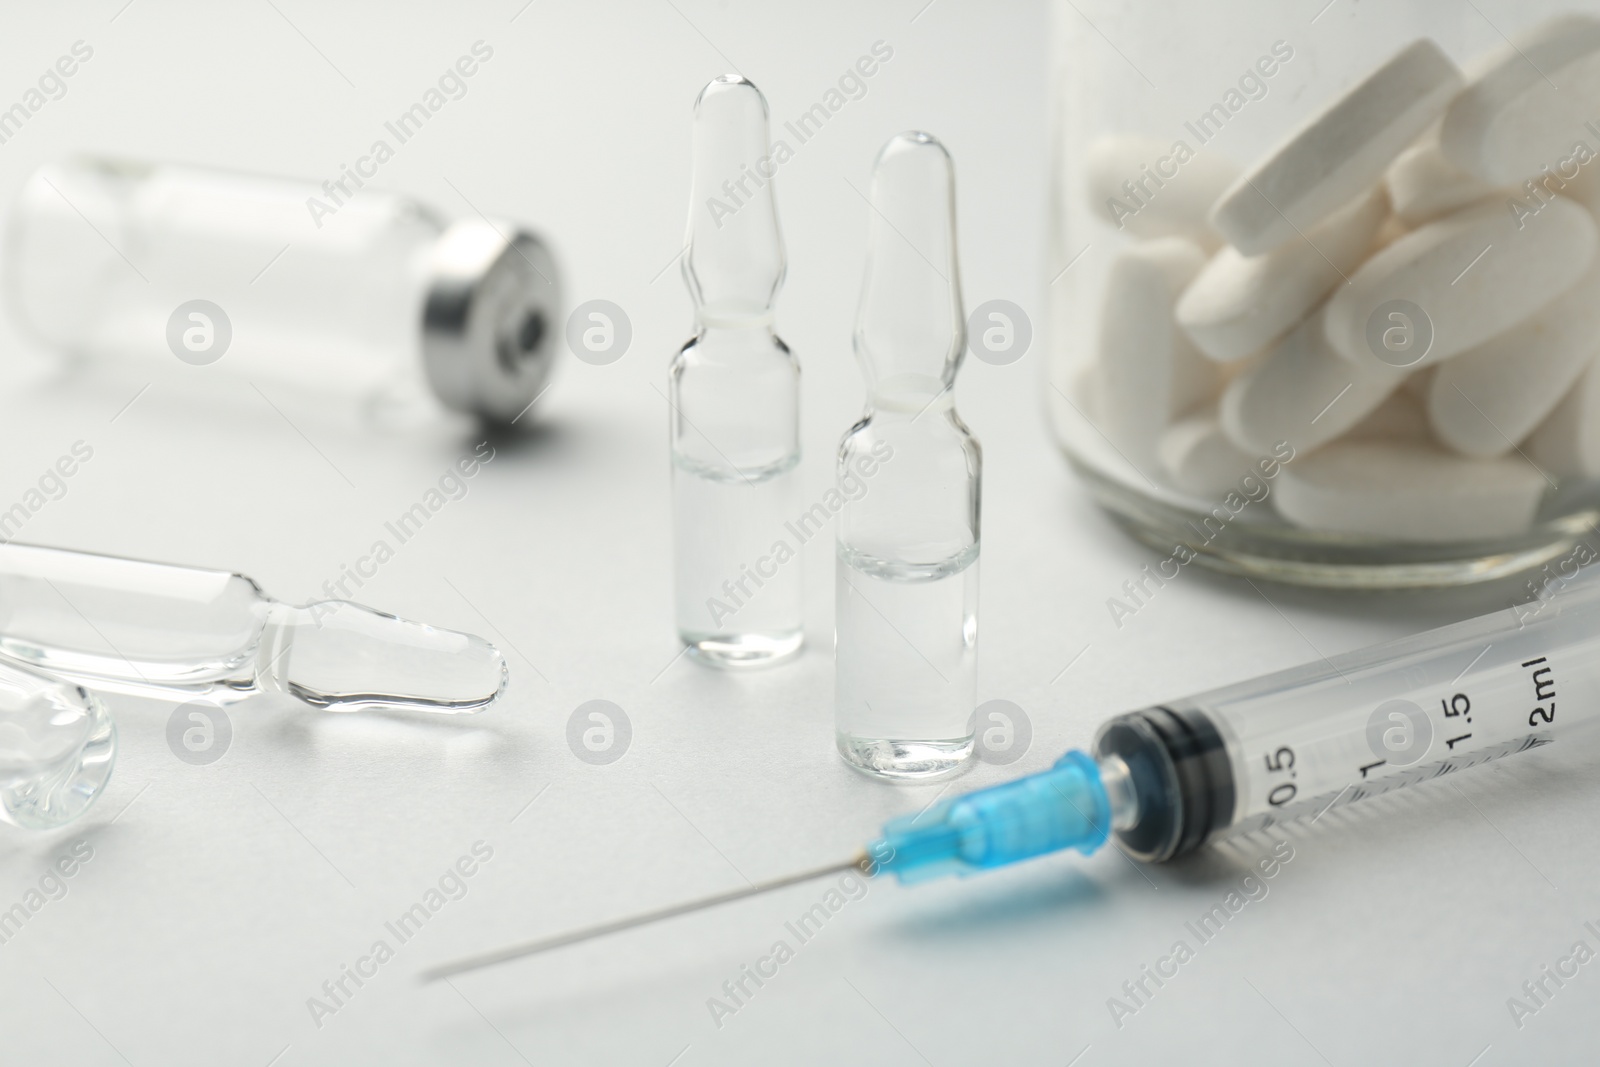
{"x": 735, "y": 400}
{"x": 907, "y": 571}
{"x": 336, "y": 289}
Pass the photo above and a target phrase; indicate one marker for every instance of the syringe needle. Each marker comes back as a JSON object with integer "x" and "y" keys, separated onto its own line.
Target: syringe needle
{"x": 861, "y": 862}
{"x": 1064, "y": 807}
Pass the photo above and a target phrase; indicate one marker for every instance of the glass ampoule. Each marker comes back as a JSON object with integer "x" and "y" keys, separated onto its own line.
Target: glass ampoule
{"x": 72, "y": 623}
{"x": 735, "y": 402}
{"x": 906, "y": 608}
{"x": 166, "y": 631}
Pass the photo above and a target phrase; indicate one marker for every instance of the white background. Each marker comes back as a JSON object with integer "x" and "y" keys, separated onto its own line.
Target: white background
{"x": 219, "y": 898}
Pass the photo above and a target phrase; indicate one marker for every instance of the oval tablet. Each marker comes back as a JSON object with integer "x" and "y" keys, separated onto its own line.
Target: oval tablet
{"x": 1240, "y": 304}
{"x": 1149, "y": 372}
{"x": 1472, "y": 273}
{"x": 1423, "y": 185}
{"x": 1151, "y": 188}
{"x": 1485, "y": 400}
{"x": 1340, "y": 152}
{"x": 1567, "y": 443}
{"x": 1408, "y": 492}
{"x": 1584, "y": 186}
{"x": 1199, "y": 459}
{"x": 1523, "y": 112}
{"x": 1083, "y": 391}
{"x": 1302, "y": 394}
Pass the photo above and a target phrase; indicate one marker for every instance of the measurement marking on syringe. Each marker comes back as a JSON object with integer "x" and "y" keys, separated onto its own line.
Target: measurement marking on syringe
{"x": 1544, "y": 691}
{"x": 1403, "y": 777}
{"x": 1401, "y": 732}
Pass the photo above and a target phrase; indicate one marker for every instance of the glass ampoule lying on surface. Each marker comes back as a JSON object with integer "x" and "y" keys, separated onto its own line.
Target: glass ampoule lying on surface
{"x": 735, "y": 402}
{"x": 906, "y": 587}
{"x": 335, "y": 290}
{"x": 167, "y": 631}
{"x": 71, "y": 622}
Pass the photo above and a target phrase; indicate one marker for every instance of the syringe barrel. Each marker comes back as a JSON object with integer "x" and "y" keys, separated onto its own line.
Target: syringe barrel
{"x": 1300, "y": 741}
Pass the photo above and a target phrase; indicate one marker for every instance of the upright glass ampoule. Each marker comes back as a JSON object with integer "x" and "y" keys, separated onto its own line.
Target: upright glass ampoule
{"x": 906, "y": 607}
{"x": 735, "y": 398}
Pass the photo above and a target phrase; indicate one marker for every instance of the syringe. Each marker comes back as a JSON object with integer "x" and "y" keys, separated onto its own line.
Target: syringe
{"x": 1295, "y": 743}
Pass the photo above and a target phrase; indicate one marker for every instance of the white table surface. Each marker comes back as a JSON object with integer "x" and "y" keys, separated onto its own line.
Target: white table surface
{"x": 218, "y": 899}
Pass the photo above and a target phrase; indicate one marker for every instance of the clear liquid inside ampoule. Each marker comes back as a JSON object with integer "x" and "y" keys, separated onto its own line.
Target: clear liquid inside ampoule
{"x": 906, "y": 663}
{"x": 738, "y": 602}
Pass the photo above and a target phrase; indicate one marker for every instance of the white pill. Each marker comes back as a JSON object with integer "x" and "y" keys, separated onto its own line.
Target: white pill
{"x": 1302, "y": 394}
{"x": 1150, "y": 188}
{"x": 1239, "y": 304}
{"x": 1512, "y": 120}
{"x": 1472, "y": 273}
{"x": 1582, "y": 185}
{"x": 1340, "y": 152}
{"x": 1149, "y": 372}
{"x": 1198, "y": 457}
{"x": 1423, "y": 184}
{"x": 1401, "y": 417}
{"x": 1567, "y": 443}
{"x": 1408, "y": 492}
{"x": 1084, "y": 390}
{"x": 1485, "y": 400}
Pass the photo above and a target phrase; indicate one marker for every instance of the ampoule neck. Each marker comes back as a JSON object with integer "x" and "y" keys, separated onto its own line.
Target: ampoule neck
{"x": 906, "y": 397}
{"x": 733, "y": 316}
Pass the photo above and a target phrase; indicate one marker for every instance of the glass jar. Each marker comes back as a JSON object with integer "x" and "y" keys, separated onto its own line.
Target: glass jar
{"x": 1258, "y": 356}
